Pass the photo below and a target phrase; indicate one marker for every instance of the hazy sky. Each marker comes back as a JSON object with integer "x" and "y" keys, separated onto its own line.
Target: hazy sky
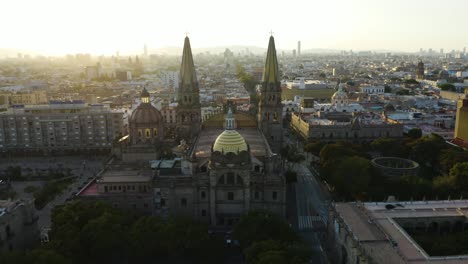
{"x": 105, "y": 26}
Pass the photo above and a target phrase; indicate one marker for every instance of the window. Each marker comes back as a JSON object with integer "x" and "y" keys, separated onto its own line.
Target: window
{"x": 230, "y": 178}
{"x": 274, "y": 195}
{"x": 203, "y": 194}
{"x": 163, "y": 202}
{"x": 256, "y": 195}
{"x": 230, "y": 196}
{"x": 203, "y": 212}
{"x": 183, "y": 202}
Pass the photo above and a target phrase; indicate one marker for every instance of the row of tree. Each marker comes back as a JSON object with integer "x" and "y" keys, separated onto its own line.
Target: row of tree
{"x": 346, "y": 166}
{"x": 95, "y": 232}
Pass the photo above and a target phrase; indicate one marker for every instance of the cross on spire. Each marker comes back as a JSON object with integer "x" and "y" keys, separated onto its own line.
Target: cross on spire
{"x": 186, "y": 33}
{"x": 271, "y": 32}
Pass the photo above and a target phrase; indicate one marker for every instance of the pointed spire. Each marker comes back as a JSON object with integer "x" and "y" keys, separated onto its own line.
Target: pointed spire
{"x": 271, "y": 73}
{"x": 187, "y": 68}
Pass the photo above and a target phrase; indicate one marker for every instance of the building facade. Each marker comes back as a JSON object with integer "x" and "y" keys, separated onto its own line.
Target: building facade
{"x": 461, "y": 125}
{"x": 59, "y": 127}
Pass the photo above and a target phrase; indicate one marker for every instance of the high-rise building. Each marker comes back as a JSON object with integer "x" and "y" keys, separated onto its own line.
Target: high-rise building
{"x": 189, "y": 109}
{"x": 270, "y": 107}
{"x": 145, "y": 50}
{"x": 461, "y": 125}
{"x": 294, "y": 53}
{"x": 299, "y": 48}
{"x": 420, "y": 71}
{"x": 441, "y": 51}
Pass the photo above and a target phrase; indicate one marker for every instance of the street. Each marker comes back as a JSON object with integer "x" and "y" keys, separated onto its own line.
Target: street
{"x": 311, "y": 206}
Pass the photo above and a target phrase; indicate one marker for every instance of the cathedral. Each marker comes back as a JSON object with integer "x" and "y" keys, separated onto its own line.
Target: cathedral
{"x": 220, "y": 170}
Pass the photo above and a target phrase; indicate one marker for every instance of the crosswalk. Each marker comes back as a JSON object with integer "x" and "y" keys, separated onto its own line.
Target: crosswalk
{"x": 310, "y": 222}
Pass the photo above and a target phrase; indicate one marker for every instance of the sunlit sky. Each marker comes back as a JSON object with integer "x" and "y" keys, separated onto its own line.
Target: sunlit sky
{"x": 57, "y": 27}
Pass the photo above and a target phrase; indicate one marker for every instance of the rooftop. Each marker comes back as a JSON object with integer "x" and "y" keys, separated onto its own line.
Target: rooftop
{"x": 374, "y": 227}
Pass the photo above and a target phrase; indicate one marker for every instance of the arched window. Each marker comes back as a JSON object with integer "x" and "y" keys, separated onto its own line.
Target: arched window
{"x": 140, "y": 133}
{"x": 148, "y": 133}
{"x": 155, "y": 132}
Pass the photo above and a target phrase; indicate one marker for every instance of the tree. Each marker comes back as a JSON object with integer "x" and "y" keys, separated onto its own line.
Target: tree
{"x": 253, "y": 252}
{"x": 272, "y": 257}
{"x": 351, "y": 176}
{"x": 263, "y": 225}
{"x": 411, "y": 81}
{"x": 427, "y": 149}
{"x": 390, "y": 147}
{"x": 447, "y": 87}
{"x": 449, "y": 157}
{"x": 459, "y": 172}
{"x": 415, "y": 133}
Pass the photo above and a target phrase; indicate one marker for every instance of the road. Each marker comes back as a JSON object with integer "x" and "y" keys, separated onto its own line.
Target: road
{"x": 311, "y": 205}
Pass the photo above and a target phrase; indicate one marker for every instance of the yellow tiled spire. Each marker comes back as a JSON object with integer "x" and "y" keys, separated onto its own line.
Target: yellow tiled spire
{"x": 270, "y": 72}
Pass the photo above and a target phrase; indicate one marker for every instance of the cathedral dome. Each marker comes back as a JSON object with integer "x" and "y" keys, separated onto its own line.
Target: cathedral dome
{"x": 230, "y": 141}
{"x": 146, "y": 114}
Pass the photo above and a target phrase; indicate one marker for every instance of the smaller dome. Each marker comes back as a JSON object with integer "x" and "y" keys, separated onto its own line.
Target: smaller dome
{"x": 340, "y": 94}
{"x": 230, "y": 141}
{"x": 146, "y": 114}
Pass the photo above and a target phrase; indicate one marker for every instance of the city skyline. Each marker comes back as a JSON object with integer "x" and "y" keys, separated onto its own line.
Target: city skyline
{"x": 55, "y": 28}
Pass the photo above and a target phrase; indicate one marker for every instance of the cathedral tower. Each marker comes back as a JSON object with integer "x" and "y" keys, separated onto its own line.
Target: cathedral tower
{"x": 270, "y": 107}
{"x": 188, "y": 109}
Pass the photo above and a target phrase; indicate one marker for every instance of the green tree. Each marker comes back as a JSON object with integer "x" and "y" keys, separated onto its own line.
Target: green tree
{"x": 459, "y": 172}
{"x": 253, "y": 252}
{"x": 447, "y": 87}
{"x": 390, "y": 147}
{"x": 415, "y": 133}
{"x": 263, "y": 225}
{"x": 449, "y": 157}
{"x": 351, "y": 176}
{"x": 411, "y": 81}
{"x": 427, "y": 149}
{"x": 105, "y": 239}
{"x": 273, "y": 257}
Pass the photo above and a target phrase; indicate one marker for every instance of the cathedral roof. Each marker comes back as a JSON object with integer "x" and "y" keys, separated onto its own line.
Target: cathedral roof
{"x": 230, "y": 141}
{"x": 188, "y": 75}
{"x": 145, "y": 113}
{"x": 271, "y": 72}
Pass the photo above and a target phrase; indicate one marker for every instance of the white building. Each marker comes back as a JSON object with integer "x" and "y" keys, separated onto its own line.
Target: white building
{"x": 368, "y": 89}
